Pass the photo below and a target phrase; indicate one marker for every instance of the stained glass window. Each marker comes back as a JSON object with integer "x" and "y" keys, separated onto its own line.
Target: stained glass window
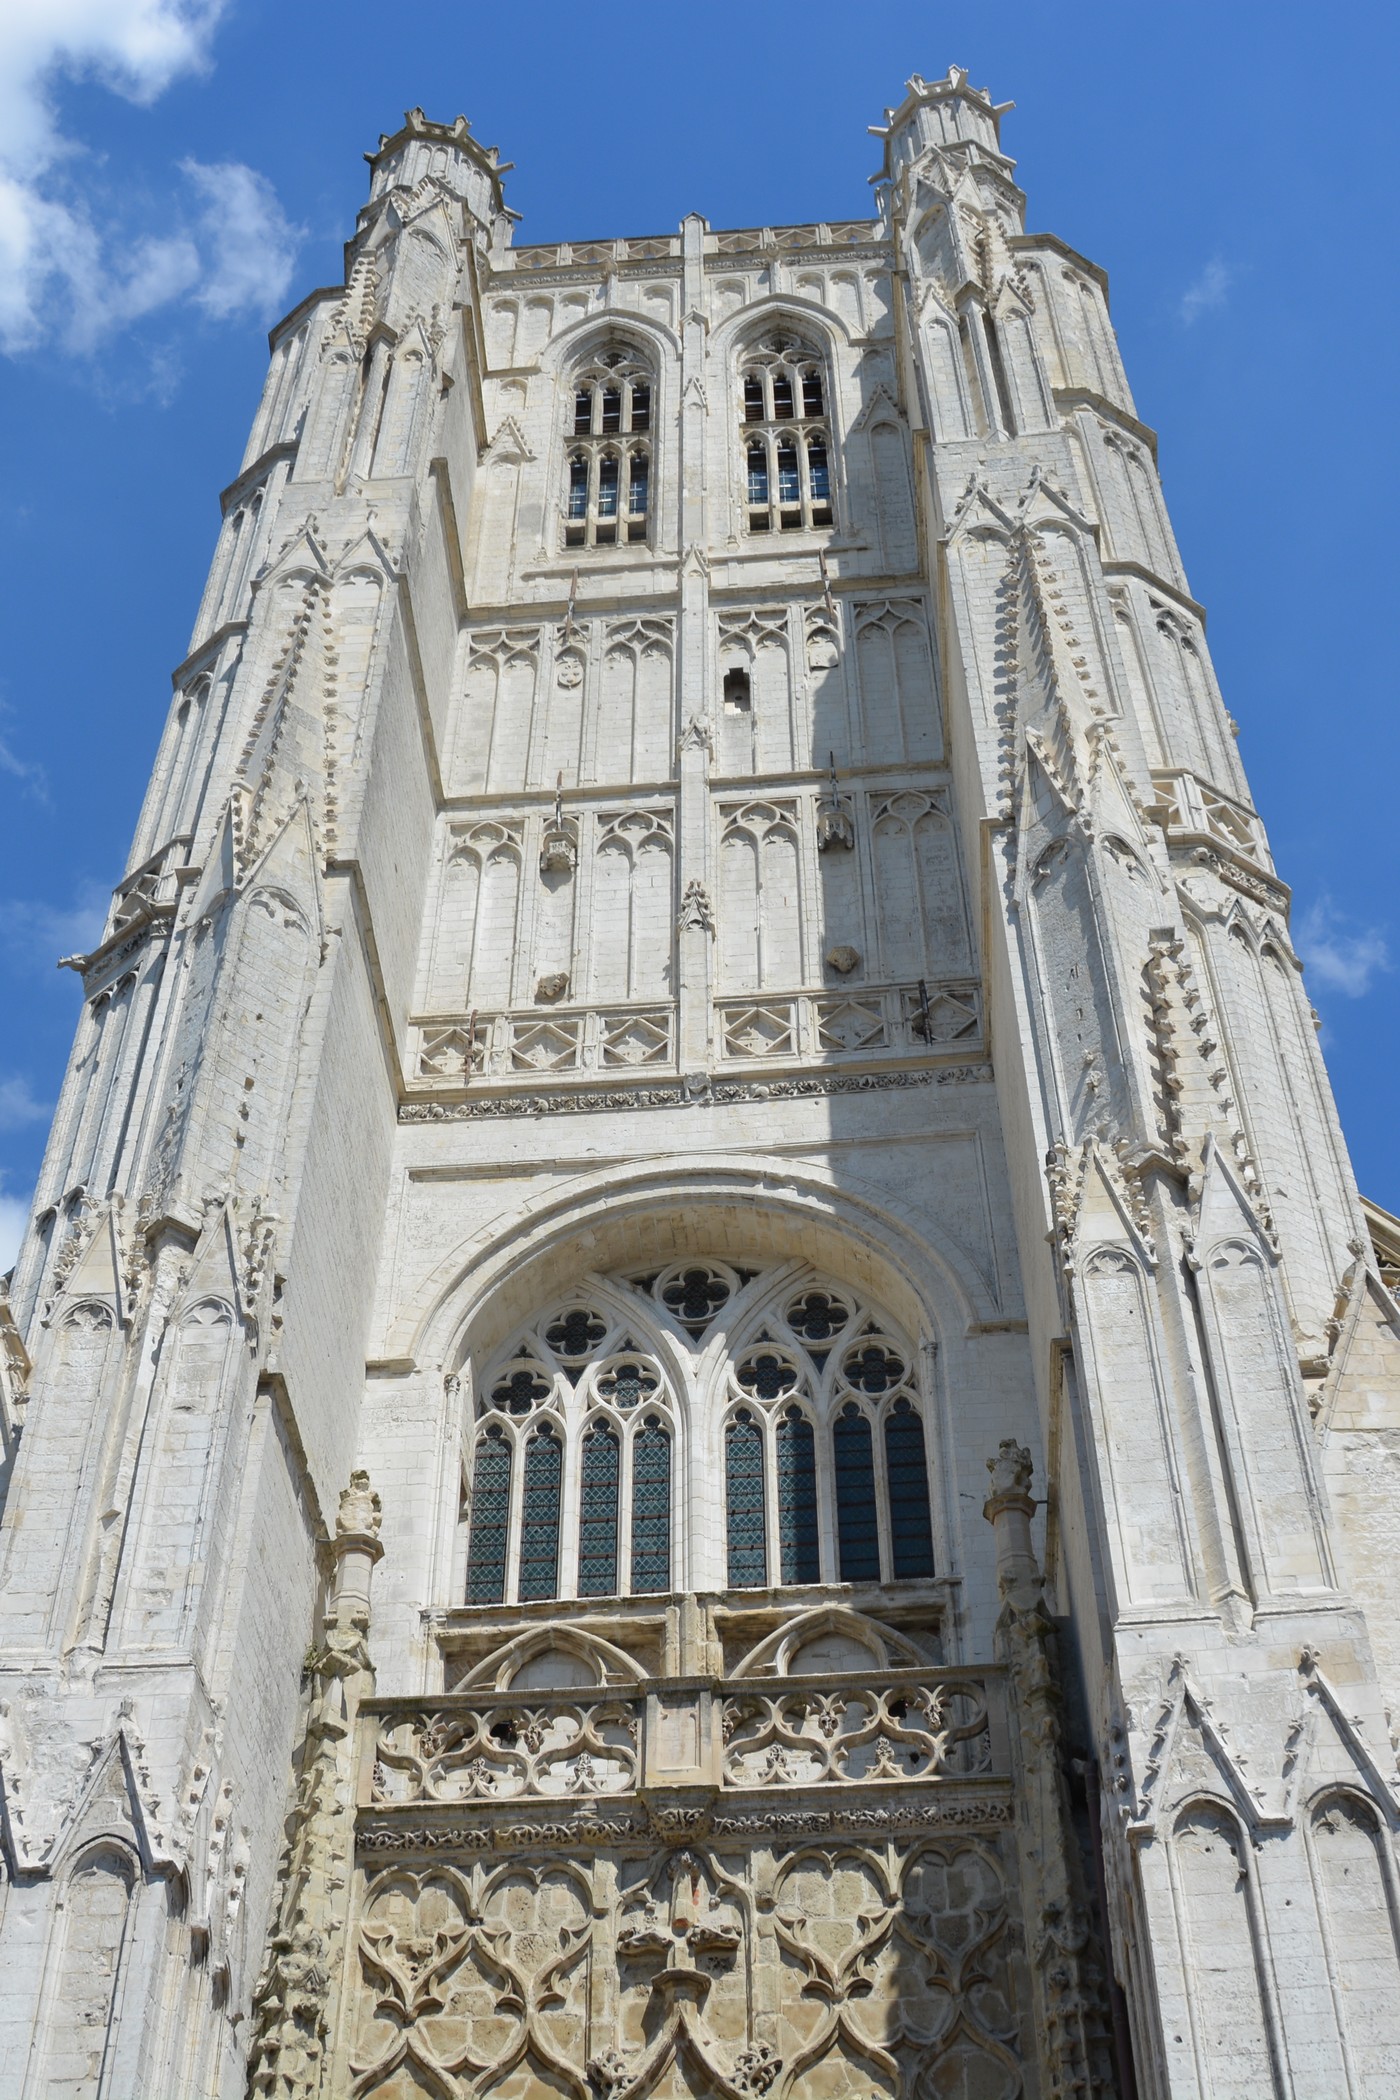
{"x": 486, "y": 1556}
{"x": 797, "y": 1499}
{"x": 906, "y": 1464}
{"x": 651, "y": 1509}
{"x": 597, "y": 1526}
{"x": 539, "y": 1528}
{"x": 857, "y": 1530}
{"x": 743, "y": 1470}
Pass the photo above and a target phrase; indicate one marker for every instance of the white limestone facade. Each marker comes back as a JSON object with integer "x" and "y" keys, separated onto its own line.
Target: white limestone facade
{"x": 699, "y": 1401}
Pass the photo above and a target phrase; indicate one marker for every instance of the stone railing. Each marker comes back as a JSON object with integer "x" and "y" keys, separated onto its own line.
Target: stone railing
{"x": 770, "y": 1733}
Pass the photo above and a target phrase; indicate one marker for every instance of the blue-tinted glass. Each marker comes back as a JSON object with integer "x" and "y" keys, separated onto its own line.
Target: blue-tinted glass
{"x": 607, "y": 488}
{"x": 857, "y": 1532}
{"x": 597, "y": 1520}
{"x": 789, "y": 485}
{"x": 651, "y": 1509}
{"x": 818, "y": 473}
{"x": 637, "y": 486}
{"x": 539, "y": 1527}
{"x": 486, "y": 1557}
{"x": 758, "y": 475}
{"x": 743, "y": 1470}
{"x": 906, "y": 1463}
{"x": 797, "y": 1499}
{"x": 578, "y": 488}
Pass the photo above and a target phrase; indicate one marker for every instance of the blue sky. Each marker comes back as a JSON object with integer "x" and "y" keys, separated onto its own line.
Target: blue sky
{"x": 174, "y": 175}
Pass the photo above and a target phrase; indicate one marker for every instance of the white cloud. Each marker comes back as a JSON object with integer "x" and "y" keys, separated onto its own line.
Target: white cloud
{"x": 18, "y": 1105}
{"x": 1208, "y": 291}
{"x": 31, "y": 776}
{"x": 14, "y": 1216}
{"x": 69, "y": 270}
{"x": 38, "y": 933}
{"x": 1335, "y": 959}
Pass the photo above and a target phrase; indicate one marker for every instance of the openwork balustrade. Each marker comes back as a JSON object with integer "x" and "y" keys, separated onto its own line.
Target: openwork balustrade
{"x": 821, "y": 1732}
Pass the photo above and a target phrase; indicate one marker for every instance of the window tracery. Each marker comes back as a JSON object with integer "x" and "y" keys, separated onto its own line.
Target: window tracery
{"x": 802, "y": 1400}
{"x": 785, "y": 435}
{"x": 607, "y": 492}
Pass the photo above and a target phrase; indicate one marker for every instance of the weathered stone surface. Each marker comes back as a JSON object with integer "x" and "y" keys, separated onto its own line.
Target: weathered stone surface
{"x": 698, "y": 962}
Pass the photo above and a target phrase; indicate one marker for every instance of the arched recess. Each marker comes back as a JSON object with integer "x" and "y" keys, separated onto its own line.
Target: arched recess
{"x": 496, "y": 1279}
{"x": 86, "y": 1973}
{"x": 1354, "y": 1874}
{"x": 1224, "y": 1953}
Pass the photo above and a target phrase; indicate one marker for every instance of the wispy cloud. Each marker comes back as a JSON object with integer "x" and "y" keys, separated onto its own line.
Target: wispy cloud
{"x": 1209, "y": 290}
{"x": 14, "y": 1216}
{"x": 1337, "y": 959}
{"x": 35, "y": 932}
{"x": 30, "y": 775}
{"x": 69, "y": 271}
{"x": 18, "y": 1105}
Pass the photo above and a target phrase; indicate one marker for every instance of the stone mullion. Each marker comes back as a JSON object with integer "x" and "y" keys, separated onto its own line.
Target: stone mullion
{"x": 694, "y": 938}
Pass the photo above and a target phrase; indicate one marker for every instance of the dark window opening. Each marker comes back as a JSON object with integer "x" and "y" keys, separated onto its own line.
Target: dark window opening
{"x": 583, "y": 411}
{"x": 738, "y": 694}
{"x": 811, "y": 394}
{"x": 597, "y": 1517}
{"x": 782, "y": 397}
{"x": 486, "y": 1556}
{"x": 743, "y": 1470}
{"x": 612, "y": 409}
{"x": 651, "y": 1509}
{"x": 578, "y": 488}
{"x": 857, "y": 1528}
{"x": 797, "y": 1499}
{"x": 641, "y": 408}
{"x": 753, "y": 398}
{"x": 539, "y": 1529}
{"x": 906, "y": 1464}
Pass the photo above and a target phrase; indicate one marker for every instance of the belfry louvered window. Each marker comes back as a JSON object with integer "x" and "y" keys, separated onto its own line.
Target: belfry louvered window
{"x": 607, "y": 490}
{"x": 786, "y": 436}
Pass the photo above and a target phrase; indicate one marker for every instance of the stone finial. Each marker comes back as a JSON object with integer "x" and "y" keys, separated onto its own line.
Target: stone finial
{"x": 361, "y": 1512}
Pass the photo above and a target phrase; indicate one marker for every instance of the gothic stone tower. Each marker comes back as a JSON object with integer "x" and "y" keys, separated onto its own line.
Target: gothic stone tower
{"x": 698, "y": 966}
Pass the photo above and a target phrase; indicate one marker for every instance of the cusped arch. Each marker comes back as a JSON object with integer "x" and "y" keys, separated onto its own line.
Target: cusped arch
{"x": 775, "y": 1654}
{"x": 607, "y": 1663}
{"x": 740, "y": 330}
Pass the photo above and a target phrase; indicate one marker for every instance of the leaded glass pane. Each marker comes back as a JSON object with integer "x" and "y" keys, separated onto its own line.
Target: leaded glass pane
{"x": 539, "y": 1530}
{"x": 789, "y": 486}
{"x": 797, "y": 1499}
{"x": 607, "y": 487}
{"x": 578, "y": 488}
{"x": 873, "y": 1368}
{"x": 637, "y": 485}
{"x": 597, "y": 1526}
{"x": 743, "y": 1470}
{"x": 766, "y": 1376}
{"x": 906, "y": 1463}
{"x": 857, "y": 1531}
{"x": 651, "y": 1509}
{"x": 490, "y": 1516}
{"x": 758, "y": 475}
{"x": 818, "y": 473}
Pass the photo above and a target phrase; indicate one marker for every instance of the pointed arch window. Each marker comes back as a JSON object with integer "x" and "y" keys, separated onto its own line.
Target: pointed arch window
{"x": 597, "y": 1527}
{"x": 539, "y": 1517}
{"x": 743, "y": 1481}
{"x": 486, "y": 1561}
{"x": 607, "y": 494}
{"x": 787, "y": 470}
{"x": 651, "y": 1508}
{"x": 857, "y": 1523}
{"x": 799, "y": 1541}
{"x": 906, "y": 1473}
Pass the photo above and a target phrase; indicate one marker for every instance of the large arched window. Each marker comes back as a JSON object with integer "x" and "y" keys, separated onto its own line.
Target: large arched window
{"x": 785, "y": 436}
{"x": 607, "y": 489}
{"x": 802, "y": 1432}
